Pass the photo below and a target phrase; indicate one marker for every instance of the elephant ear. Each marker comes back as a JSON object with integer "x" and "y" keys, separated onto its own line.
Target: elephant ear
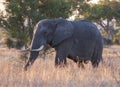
{"x": 63, "y": 31}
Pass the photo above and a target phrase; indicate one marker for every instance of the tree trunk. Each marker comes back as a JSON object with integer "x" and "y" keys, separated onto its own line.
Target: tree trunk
{"x": 107, "y": 28}
{"x": 30, "y": 28}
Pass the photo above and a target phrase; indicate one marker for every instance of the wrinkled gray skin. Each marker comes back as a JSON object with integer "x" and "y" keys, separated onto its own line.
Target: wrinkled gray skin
{"x": 79, "y": 41}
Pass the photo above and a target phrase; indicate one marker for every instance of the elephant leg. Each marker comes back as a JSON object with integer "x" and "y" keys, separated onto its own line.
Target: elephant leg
{"x": 60, "y": 59}
{"x": 62, "y": 51}
{"x": 96, "y": 59}
{"x": 56, "y": 60}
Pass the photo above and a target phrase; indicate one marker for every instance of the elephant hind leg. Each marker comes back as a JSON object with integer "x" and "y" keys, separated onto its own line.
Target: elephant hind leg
{"x": 96, "y": 58}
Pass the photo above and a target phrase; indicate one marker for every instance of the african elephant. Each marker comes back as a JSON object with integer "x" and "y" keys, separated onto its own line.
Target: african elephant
{"x": 77, "y": 40}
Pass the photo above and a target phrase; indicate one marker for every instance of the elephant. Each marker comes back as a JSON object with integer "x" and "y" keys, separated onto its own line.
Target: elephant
{"x": 77, "y": 40}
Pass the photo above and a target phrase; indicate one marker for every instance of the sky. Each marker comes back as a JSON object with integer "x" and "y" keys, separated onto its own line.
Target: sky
{"x": 1, "y": 5}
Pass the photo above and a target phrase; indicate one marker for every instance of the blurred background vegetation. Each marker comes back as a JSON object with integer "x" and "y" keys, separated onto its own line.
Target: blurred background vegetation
{"x": 22, "y": 15}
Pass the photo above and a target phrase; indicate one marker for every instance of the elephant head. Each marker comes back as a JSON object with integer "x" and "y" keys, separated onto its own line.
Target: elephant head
{"x": 51, "y": 32}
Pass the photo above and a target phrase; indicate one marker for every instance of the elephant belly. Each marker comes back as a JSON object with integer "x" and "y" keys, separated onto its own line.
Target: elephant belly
{"x": 82, "y": 50}
{"x": 79, "y": 56}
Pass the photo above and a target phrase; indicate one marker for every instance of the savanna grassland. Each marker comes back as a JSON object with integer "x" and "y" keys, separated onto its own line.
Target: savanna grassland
{"x": 44, "y": 74}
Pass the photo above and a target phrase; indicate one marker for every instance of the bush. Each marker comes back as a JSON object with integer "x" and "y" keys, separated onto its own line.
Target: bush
{"x": 116, "y": 38}
{"x": 14, "y": 43}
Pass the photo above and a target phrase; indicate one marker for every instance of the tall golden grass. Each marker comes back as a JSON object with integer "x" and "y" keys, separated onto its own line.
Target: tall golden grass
{"x": 43, "y": 73}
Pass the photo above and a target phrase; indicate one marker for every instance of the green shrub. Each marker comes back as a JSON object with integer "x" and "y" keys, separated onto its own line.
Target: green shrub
{"x": 14, "y": 43}
{"x": 116, "y": 38}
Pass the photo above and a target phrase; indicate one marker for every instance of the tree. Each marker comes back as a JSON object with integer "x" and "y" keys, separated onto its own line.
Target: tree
{"x": 22, "y": 15}
{"x": 102, "y": 13}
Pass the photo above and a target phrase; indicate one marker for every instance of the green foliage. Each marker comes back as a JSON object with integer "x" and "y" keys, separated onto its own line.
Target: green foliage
{"x": 116, "y": 38}
{"x": 24, "y": 14}
{"x": 111, "y": 9}
{"x": 11, "y": 43}
{"x": 56, "y": 8}
{"x": 104, "y": 10}
{"x": 94, "y": 12}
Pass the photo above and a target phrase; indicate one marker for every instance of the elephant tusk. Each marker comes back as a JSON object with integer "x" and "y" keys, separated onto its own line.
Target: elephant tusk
{"x": 39, "y": 49}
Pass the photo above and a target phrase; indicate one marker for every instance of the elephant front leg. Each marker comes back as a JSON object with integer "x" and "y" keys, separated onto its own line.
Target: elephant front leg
{"x": 56, "y": 61}
{"x": 60, "y": 59}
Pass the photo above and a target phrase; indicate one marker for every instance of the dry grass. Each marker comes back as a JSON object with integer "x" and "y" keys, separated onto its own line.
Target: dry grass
{"x": 44, "y": 74}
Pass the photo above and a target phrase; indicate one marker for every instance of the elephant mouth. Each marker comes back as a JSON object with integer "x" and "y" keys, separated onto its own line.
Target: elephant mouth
{"x": 29, "y": 49}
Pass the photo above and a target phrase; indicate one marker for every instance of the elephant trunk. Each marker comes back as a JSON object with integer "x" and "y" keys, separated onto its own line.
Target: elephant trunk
{"x": 33, "y": 55}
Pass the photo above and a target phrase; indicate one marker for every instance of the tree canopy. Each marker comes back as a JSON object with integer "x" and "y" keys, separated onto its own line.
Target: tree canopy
{"x": 102, "y": 13}
{"x": 22, "y": 15}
